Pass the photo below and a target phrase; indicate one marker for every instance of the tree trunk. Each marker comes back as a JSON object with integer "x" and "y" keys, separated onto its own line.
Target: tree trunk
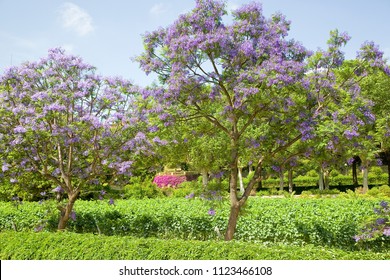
{"x": 240, "y": 180}
{"x": 321, "y": 180}
{"x": 354, "y": 174}
{"x": 66, "y": 211}
{"x": 387, "y": 153}
{"x": 281, "y": 180}
{"x": 233, "y": 183}
{"x": 235, "y": 203}
{"x": 233, "y": 219}
{"x": 290, "y": 180}
{"x": 326, "y": 179}
{"x": 356, "y": 161}
{"x": 365, "y": 177}
{"x": 205, "y": 178}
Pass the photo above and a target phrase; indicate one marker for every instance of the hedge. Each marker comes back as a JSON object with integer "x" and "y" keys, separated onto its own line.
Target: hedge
{"x": 72, "y": 246}
{"x": 324, "y": 222}
{"x": 334, "y": 181}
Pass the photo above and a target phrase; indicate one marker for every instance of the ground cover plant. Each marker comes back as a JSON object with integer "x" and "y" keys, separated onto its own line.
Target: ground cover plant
{"x": 71, "y": 246}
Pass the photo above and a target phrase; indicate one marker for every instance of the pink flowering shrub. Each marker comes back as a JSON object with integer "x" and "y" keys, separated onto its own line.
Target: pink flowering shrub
{"x": 168, "y": 180}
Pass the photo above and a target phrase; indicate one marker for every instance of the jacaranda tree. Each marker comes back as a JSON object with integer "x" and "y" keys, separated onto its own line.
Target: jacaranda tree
{"x": 73, "y": 128}
{"x": 241, "y": 77}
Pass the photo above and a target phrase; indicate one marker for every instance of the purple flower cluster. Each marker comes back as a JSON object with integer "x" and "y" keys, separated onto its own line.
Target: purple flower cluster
{"x": 211, "y": 212}
{"x": 168, "y": 180}
{"x": 378, "y": 226}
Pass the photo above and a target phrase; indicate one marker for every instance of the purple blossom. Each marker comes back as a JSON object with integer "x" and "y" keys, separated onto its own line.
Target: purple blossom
{"x": 5, "y": 167}
{"x": 20, "y": 129}
{"x": 349, "y": 134}
{"x": 211, "y": 212}
{"x": 386, "y": 231}
{"x": 153, "y": 128}
{"x": 384, "y": 204}
{"x": 219, "y": 175}
{"x": 381, "y": 221}
{"x": 58, "y": 189}
{"x": 39, "y": 228}
{"x": 111, "y": 202}
{"x": 306, "y": 129}
{"x": 357, "y": 238}
{"x": 158, "y": 141}
{"x": 189, "y": 196}
{"x": 276, "y": 168}
{"x": 55, "y": 107}
{"x": 39, "y": 96}
{"x": 73, "y": 215}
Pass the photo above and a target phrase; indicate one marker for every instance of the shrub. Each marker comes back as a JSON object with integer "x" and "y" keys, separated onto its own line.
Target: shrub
{"x": 312, "y": 174}
{"x": 187, "y": 188}
{"x": 138, "y": 189}
{"x": 377, "y": 171}
{"x": 168, "y": 180}
{"x": 377, "y": 227}
{"x": 330, "y": 222}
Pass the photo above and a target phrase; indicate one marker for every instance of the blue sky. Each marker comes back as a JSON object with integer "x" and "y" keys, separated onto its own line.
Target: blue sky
{"x": 107, "y": 34}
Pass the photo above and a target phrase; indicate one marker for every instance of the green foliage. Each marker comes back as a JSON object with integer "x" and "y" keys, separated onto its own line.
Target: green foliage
{"x": 320, "y": 193}
{"x": 377, "y": 227}
{"x": 377, "y": 171}
{"x": 322, "y": 222}
{"x": 71, "y": 246}
{"x": 380, "y": 192}
{"x": 28, "y": 187}
{"x": 187, "y": 188}
{"x": 312, "y": 173}
{"x": 139, "y": 188}
{"x": 336, "y": 179}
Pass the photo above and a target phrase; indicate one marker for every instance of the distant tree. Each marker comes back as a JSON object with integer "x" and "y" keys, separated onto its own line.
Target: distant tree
{"x": 71, "y": 127}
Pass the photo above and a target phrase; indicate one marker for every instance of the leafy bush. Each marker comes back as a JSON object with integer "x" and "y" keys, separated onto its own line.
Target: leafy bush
{"x": 377, "y": 171}
{"x": 380, "y": 192}
{"x": 330, "y": 222}
{"x": 377, "y": 227}
{"x": 139, "y": 188}
{"x": 71, "y": 246}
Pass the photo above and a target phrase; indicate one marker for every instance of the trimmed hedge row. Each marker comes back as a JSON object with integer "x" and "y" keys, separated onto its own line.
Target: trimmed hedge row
{"x": 324, "y": 222}
{"x": 71, "y": 246}
{"x": 334, "y": 181}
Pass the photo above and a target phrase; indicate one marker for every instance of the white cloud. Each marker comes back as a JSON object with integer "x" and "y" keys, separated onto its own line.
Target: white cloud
{"x": 69, "y": 48}
{"x": 158, "y": 9}
{"x": 76, "y": 19}
{"x": 232, "y": 7}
